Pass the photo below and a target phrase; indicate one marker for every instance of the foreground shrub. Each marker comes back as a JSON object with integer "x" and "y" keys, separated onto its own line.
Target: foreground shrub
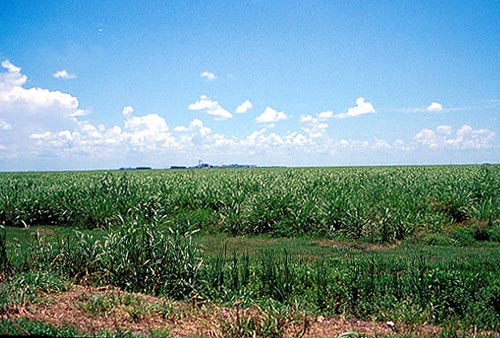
{"x": 139, "y": 258}
{"x": 146, "y": 259}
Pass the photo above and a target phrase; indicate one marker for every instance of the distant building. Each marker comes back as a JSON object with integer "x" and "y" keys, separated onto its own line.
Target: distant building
{"x": 137, "y": 168}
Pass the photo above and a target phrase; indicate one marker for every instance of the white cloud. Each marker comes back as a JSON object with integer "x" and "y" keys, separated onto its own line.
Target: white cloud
{"x": 63, "y": 74}
{"x": 445, "y": 130}
{"x": 147, "y": 122}
{"x": 325, "y": 115}
{"x": 210, "y": 107}
{"x": 148, "y": 132}
{"x": 10, "y": 67}
{"x": 315, "y": 127}
{"x": 208, "y": 76}
{"x": 297, "y": 139}
{"x": 435, "y": 107}
{"x": 5, "y": 126}
{"x": 259, "y": 139}
{"x": 197, "y": 137}
{"x": 38, "y": 124}
{"x": 197, "y": 125}
{"x": 127, "y": 111}
{"x": 361, "y": 108}
{"x": 140, "y": 133}
{"x": 244, "y": 107}
{"x": 13, "y": 94}
{"x": 306, "y": 118}
{"x": 271, "y": 115}
{"x": 31, "y": 110}
{"x": 180, "y": 129}
{"x": 463, "y": 138}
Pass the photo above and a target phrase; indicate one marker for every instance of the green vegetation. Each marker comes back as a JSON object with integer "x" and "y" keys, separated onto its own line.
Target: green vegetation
{"x": 23, "y": 327}
{"x": 309, "y": 241}
{"x": 382, "y": 204}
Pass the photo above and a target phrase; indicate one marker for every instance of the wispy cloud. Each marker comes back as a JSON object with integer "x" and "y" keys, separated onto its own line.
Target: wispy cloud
{"x": 208, "y": 76}
{"x": 5, "y": 126}
{"x": 63, "y": 74}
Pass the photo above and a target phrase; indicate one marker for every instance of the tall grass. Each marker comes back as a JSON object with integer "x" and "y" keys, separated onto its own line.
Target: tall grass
{"x": 135, "y": 257}
{"x": 4, "y": 260}
{"x": 414, "y": 288}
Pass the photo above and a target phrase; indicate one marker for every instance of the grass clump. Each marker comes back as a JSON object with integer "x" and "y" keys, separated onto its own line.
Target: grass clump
{"x": 137, "y": 257}
{"x": 25, "y": 327}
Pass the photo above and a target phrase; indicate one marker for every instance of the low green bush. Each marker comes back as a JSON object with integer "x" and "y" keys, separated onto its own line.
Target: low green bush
{"x": 436, "y": 239}
{"x": 493, "y": 234}
{"x": 464, "y": 236}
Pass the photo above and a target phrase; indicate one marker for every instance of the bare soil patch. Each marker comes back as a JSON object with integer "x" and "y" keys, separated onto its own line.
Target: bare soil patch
{"x": 92, "y": 310}
{"x": 360, "y": 246}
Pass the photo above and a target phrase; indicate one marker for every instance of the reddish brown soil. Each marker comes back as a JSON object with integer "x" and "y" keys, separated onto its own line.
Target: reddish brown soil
{"x": 182, "y": 319}
{"x": 360, "y": 246}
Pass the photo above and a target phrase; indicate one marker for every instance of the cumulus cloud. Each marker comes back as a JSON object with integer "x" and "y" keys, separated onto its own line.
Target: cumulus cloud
{"x": 435, "y": 107}
{"x": 63, "y": 74}
{"x": 13, "y": 96}
{"x": 325, "y": 115}
{"x": 34, "y": 110}
{"x": 180, "y": 129}
{"x": 139, "y": 133}
{"x": 208, "y": 76}
{"x": 37, "y": 123}
{"x": 262, "y": 139}
{"x": 271, "y": 115}
{"x": 210, "y": 107}
{"x": 10, "y": 67}
{"x": 361, "y": 108}
{"x": 444, "y": 130}
{"x": 315, "y": 127}
{"x": 297, "y": 139}
{"x": 463, "y": 138}
{"x": 147, "y": 132}
{"x": 374, "y": 144}
{"x": 244, "y": 107}
{"x": 197, "y": 136}
{"x": 127, "y": 111}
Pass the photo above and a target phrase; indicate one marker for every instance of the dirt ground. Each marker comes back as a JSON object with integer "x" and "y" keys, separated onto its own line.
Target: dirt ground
{"x": 96, "y": 309}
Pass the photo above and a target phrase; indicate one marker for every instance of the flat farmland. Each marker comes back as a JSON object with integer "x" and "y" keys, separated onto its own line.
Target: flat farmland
{"x": 405, "y": 251}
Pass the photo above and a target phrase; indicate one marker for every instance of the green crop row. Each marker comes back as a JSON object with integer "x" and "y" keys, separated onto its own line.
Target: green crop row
{"x": 382, "y": 204}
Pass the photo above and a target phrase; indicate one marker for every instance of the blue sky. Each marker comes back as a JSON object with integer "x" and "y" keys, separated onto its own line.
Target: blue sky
{"x": 106, "y": 84}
